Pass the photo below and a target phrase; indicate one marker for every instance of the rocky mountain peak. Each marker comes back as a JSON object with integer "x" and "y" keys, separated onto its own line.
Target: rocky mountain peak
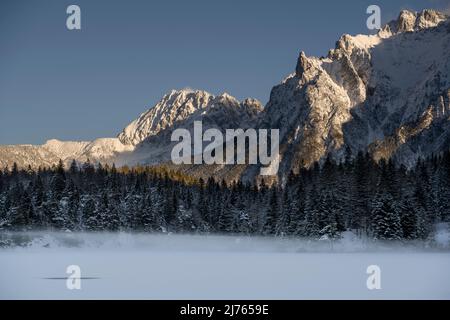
{"x": 303, "y": 64}
{"x": 362, "y": 94}
{"x": 409, "y": 21}
{"x": 406, "y": 21}
{"x": 253, "y": 104}
{"x": 177, "y": 106}
{"x": 429, "y": 18}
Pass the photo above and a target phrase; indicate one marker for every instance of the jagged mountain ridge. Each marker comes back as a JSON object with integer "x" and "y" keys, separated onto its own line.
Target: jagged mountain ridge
{"x": 388, "y": 94}
{"x": 146, "y": 140}
{"x": 178, "y": 106}
{"x": 151, "y": 134}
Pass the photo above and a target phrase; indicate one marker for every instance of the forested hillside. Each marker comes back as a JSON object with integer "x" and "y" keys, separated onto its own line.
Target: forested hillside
{"x": 377, "y": 200}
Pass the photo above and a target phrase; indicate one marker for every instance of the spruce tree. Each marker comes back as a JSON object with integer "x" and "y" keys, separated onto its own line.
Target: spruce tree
{"x": 273, "y": 213}
{"x": 386, "y": 222}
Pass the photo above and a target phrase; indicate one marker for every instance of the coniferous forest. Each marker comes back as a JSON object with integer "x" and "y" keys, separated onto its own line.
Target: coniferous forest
{"x": 374, "y": 200}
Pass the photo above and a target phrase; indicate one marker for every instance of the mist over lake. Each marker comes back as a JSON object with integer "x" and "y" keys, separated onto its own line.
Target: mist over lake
{"x": 147, "y": 266}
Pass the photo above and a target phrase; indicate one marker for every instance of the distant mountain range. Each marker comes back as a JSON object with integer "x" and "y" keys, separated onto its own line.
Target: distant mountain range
{"x": 387, "y": 94}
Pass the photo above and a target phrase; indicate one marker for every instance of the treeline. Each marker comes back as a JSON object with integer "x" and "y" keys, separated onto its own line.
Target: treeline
{"x": 377, "y": 200}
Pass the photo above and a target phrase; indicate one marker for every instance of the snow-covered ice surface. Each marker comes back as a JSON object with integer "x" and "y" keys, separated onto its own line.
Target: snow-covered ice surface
{"x": 139, "y": 266}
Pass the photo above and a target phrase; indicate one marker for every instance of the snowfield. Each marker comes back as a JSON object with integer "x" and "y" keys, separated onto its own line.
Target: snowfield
{"x": 125, "y": 266}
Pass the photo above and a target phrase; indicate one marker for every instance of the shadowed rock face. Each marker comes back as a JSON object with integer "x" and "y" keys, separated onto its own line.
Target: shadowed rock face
{"x": 388, "y": 94}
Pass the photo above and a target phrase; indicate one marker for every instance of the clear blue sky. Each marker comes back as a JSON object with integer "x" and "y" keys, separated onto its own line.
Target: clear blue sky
{"x": 81, "y": 85}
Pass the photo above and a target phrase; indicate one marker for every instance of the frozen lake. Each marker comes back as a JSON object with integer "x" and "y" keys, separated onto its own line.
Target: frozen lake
{"x": 124, "y": 266}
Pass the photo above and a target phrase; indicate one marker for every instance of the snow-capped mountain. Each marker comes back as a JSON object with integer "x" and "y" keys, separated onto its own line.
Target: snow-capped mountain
{"x": 151, "y": 133}
{"x": 388, "y": 94}
{"x": 178, "y": 106}
{"x": 49, "y": 154}
{"x": 147, "y": 139}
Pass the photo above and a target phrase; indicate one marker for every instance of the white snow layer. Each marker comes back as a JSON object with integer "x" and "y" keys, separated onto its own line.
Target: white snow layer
{"x": 125, "y": 266}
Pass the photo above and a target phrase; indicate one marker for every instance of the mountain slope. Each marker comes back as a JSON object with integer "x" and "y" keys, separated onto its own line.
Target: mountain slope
{"x": 173, "y": 107}
{"x": 151, "y": 132}
{"x": 386, "y": 93}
